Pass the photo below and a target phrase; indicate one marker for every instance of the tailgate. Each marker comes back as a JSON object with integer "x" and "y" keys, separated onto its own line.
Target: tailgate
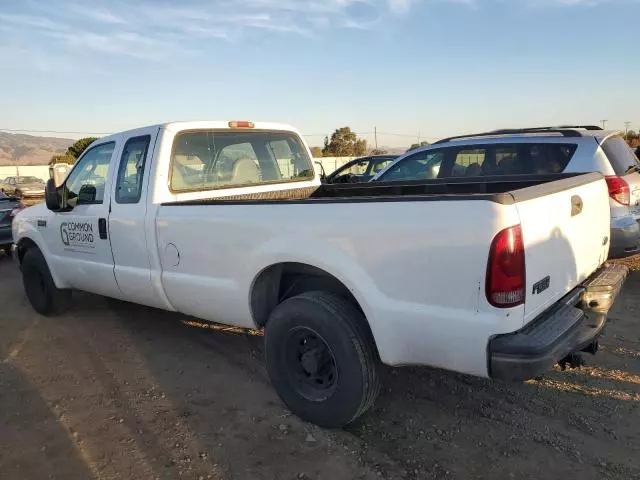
{"x": 566, "y": 230}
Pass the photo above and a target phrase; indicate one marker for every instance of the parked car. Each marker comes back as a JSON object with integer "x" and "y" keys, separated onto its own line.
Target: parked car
{"x": 497, "y": 277}
{"x": 531, "y": 151}
{"x": 360, "y": 169}
{"x": 9, "y": 207}
{"x": 23, "y": 187}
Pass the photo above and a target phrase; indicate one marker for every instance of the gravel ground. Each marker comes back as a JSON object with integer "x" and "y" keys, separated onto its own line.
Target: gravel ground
{"x": 112, "y": 390}
{"x": 632, "y": 262}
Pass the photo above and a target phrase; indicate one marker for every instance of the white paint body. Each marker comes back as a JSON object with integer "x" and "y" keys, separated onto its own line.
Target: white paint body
{"x": 417, "y": 268}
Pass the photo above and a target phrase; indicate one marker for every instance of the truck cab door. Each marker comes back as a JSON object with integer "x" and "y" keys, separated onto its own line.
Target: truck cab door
{"x": 128, "y": 217}
{"x": 79, "y": 237}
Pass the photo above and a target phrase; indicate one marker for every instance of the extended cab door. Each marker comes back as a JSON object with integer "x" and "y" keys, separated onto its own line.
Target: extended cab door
{"x": 78, "y": 238}
{"x": 127, "y": 220}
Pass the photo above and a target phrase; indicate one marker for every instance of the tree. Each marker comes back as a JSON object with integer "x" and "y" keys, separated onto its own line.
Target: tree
{"x": 80, "y": 146}
{"x": 378, "y": 151}
{"x": 344, "y": 143}
{"x": 316, "y": 152}
{"x": 417, "y": 145}
{"x": 73, "y": 152}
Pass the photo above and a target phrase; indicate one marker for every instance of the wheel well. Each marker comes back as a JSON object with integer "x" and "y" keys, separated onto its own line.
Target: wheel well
{"x": 24, "y": 245}
{"x": 285, "y": 280}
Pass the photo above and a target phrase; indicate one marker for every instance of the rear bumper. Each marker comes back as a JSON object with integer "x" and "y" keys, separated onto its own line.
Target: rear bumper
{"x": 625, "y": 237}
{"x": 569, "y": 326}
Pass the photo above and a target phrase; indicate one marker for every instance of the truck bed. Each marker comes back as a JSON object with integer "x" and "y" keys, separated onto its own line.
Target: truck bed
{"x": 505, "y": 189}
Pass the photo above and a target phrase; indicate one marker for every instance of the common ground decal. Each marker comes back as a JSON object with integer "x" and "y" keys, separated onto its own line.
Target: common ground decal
{"x": 77, "y": 234}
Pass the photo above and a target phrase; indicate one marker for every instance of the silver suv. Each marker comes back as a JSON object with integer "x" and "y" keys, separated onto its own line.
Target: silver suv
{"x": 542, "y": 150}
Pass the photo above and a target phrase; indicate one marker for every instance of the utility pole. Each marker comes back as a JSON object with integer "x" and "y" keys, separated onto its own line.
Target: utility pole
{"x": 604, "y": 123}
{"x": 626, "y": 129}
{"x": 375, "y": 136}
{"x": 418, "y": 137}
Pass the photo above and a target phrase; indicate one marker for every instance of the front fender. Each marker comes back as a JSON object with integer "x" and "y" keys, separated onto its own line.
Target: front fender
{"x": 25, "y": 232}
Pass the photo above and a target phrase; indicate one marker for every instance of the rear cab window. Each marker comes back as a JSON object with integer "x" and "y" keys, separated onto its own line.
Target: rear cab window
{"x": 620, "y": 155}
{"x": 214, "y": 159}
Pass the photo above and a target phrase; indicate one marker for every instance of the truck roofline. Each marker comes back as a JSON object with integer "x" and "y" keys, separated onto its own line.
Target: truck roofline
{"x": 174, "y": 127}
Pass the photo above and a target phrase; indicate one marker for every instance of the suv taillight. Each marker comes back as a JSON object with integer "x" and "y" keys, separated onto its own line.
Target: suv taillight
{"x": 618, "y": 189}
{"x": 506, "y": 269}
{"x": 17, "y": 210}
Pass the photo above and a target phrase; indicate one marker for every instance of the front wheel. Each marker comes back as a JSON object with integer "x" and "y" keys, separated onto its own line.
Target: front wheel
{"x": 321, "y": 359}
{"x": 44, "y": 296}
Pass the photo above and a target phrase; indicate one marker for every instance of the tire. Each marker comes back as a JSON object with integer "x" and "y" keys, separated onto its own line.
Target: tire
{"x": 6, "y": 249}
{"x": 18, "y": 194}
{"x": 320, "y": 327}
{"x": 44, "y": 296}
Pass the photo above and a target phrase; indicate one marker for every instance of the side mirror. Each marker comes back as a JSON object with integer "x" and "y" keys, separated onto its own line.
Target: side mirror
{"x": 51, "y": 195}
{"x": 87, "y": 194}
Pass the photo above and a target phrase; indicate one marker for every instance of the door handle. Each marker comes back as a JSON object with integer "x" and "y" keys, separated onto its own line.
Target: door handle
{"x": 102, "y": 228}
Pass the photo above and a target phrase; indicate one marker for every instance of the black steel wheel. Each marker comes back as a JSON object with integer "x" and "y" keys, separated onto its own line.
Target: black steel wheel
{"x": 311, "y": 364}
{"x": 321, "y": 358}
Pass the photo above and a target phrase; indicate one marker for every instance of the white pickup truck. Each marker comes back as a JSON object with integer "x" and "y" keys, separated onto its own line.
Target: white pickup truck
{"x": 496, "y": 277}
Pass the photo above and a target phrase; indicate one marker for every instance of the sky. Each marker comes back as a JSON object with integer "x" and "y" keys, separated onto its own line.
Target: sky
{"x": 407, "y": 68}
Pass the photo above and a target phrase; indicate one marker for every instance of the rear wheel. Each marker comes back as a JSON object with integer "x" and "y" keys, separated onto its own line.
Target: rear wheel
{"x": 44, "y": 296}
{"x": 321, "y": 359}
{"x": 6, "y": 249}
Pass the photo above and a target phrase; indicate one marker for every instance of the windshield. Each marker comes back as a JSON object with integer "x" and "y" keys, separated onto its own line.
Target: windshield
{"x": 622, "y": 158}
{"x": 23, "y": 180}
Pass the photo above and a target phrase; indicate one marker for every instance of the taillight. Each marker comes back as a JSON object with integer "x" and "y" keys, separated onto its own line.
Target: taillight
{"x": 618, "y": 189}
{"x": 17, "y": 210}
{"x": 506, "y": 270}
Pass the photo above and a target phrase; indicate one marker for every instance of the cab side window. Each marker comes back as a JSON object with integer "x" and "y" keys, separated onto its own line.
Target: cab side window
{"x": 131, "y": 170}
{"x": 86, "y": 182}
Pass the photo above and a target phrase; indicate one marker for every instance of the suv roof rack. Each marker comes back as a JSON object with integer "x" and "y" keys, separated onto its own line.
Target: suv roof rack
{"x": 565, "y": 130}
{"x": 585, "y": 127}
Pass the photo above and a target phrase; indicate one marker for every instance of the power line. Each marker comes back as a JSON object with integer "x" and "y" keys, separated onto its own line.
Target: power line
{"x": 22, "y": 130}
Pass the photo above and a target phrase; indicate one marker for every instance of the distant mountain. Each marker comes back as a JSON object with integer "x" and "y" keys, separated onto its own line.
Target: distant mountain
{"x": 19, "y": 149}
{"x": 394, "y": 150}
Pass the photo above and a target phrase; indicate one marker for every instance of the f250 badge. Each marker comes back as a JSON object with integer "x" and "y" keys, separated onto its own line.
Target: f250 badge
{"x": 541, "y": 286}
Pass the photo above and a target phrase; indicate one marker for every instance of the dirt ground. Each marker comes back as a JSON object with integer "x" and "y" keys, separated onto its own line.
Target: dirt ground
{"x": 120, "y": 391}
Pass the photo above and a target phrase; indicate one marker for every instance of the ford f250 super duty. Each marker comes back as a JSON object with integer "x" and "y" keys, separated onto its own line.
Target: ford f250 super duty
{"x": 497, "y": 277}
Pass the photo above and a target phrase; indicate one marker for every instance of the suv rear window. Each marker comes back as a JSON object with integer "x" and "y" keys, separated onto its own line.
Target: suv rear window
{"x": 620, "y": 155}
{"x": 534, "y": 158}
